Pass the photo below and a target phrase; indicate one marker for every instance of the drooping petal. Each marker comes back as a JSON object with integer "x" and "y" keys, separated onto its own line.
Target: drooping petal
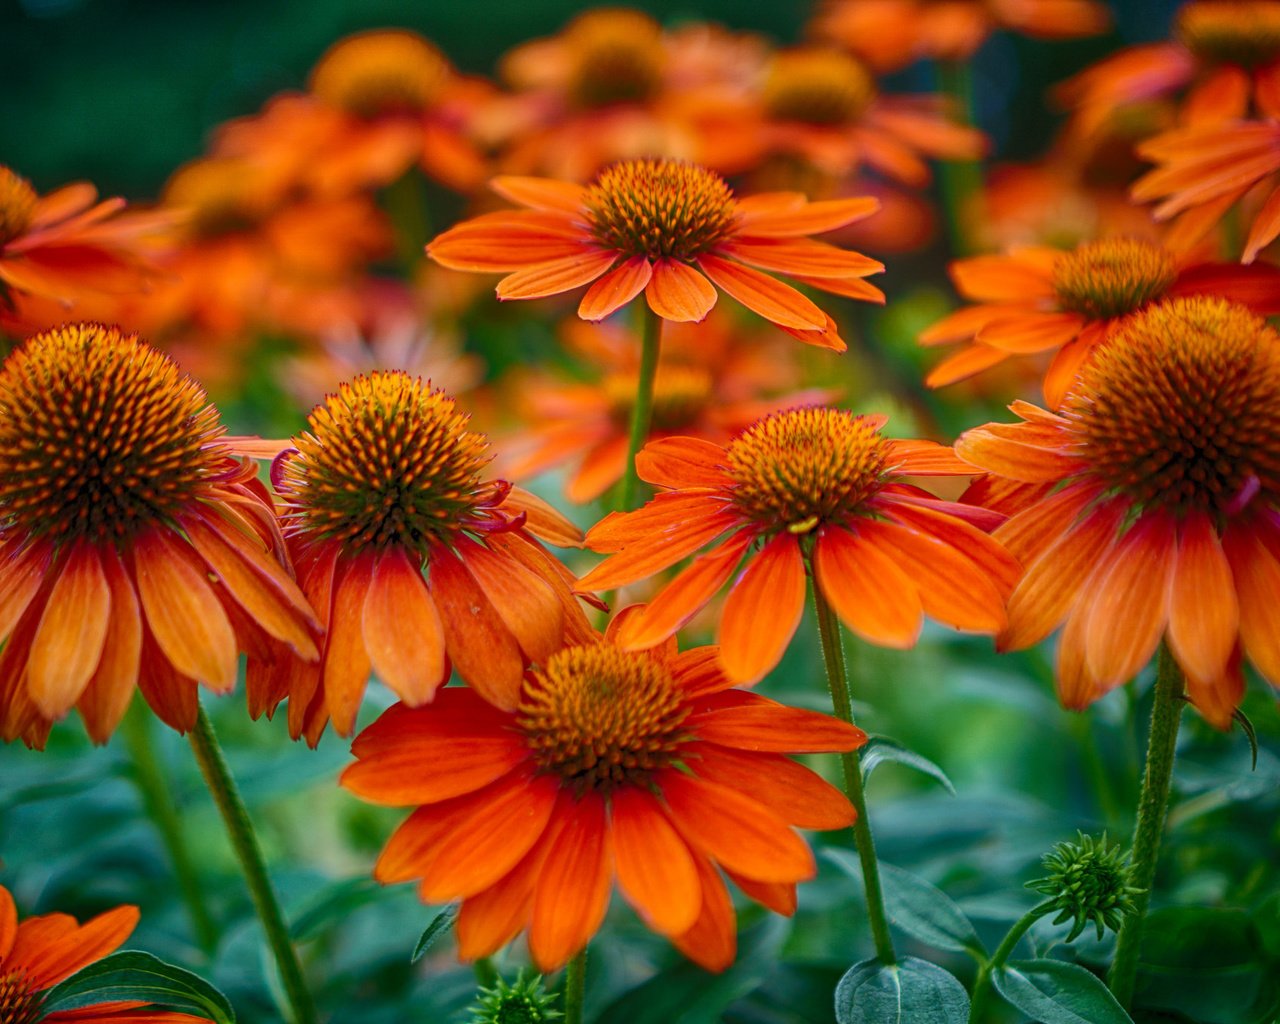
{"x": 662, "y": 550}
{"x": 401, "y": 629}
{"x": 616, "y": 288}
{"x": 1031, "y": 333}
{"x": 763, "y": 610}
{"x": 676, "y": 291}
{"x": 656, "y": 872}
{"x": 23, "y": 571}
{"x": 106, "y": 699}
{"x": 802, "y": 257}
{"x": 8, "y": 922}
{"x": 797, "y": 795}
{"x": 762, "y": 294}
{"x": 346, "y": 667}
{"x": 525, "y": 602}
{"x": 555, "y": 276}
{"x": 712, "y": 942}
{"x": 870, "y": 593}
{"x": 1256, "y": 574}
{"x": 687, "y": 594}
{"x": 68, "y": 642}
{"x": 542, "y": 520}
{"x": 797, "y": 221}
{"x": 1204, "y": 615}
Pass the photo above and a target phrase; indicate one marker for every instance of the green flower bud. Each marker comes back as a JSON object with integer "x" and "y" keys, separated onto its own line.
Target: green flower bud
{"x": 522, "y": 1003}
{"x": 1088, "y": 881}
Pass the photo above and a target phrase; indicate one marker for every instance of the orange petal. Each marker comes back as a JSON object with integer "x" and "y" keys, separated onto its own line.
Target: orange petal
{"x": 809, "y": 219}
{"x": 1256, "y": 573}
{"x": 106, "y": 699}
{"x": 1035, "y": 332}
{"x": 346, "y": 667}
{"x": 1204, "y": 616}
{"x": 556, "y": 276}
{"x": 68, "y": 642}
{"x": 182, "y": 611}
{"x": 1031, "y": 530}
{"x": 1130, "y": 607}
{"x": 680, "y": 462}
{"x": 762, "y": 294}
{"x": 542, "y": 193}
{"x": 8, "y": 922}
{"x": 448, "y": 767}
{"x": 926, "y": 458}
{"x": 803, "y": 257}
{"x": 964, "y": 324}
{"x": 616, "y": 288}
{"x": 573, "y": 886}
{"x": 1004, "y": 278}
{"x": 869, "y": 591}
{"x": 687, "y": 594}
{"x": 1001, "y": 452}
{"x": 735, "y": 830}
{"x": 401, "y": 629}
{"x": 798, "y": 796}
{"x": 964, "y": 364}
{"x": 641, "y": 560}
{"x": 752, "y": 722}
{"x": 664, "y": 515}
{"x": 979, "y": 547}
{"x": 491, "y": 919}
{"x": 1265, "y": 228}
{"x": 542, "y": 520}
{"x": 525, "y": 602}
{"x": 1076, "y": 687}
{"x": 47, "y": 963}
{"x": 712, "y": 942}
{"x": 655, "y": 868}
{"x": 780, "y": 897}
{"x": 678, "y": 292}
{"x": 763, "y": 610}
{"x": 20, "y": 580}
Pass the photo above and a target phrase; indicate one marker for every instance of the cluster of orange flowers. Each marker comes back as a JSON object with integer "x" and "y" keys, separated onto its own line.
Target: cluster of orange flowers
{"x": 140, "y": 550}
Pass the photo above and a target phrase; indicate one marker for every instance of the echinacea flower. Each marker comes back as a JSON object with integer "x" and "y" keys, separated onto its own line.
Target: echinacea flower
{"x": 137, "y": 551}
{"x": 818, "y": 486}
{"x": 1038, "y": 300}
{"x": 674, "y": 231}
{"x": 40, "y": 952}
{"x": 1204, "y": 171}
{"x": 890, "y": 34}
{"x": 384, "y": 487}
{"x": 643, "y": 767}
{"x": 1149, "y": 506}
{"x": 1224, "y": 64}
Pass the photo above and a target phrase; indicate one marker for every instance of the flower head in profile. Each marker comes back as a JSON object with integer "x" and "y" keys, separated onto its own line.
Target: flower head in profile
{"x": 1148, "y": 508}
{"x": 136, "y": 550}
{"x": 1222, "y": 64}
{"x": 641, "y": 767}
{"x": 40, "y": 952}
{"x": 413, "y": 561}
{"x": 1039, "y": 300}
{"x": 805, "y": 487}
{"x": 1088, "y": 883}
{"x": 674, "y": 231}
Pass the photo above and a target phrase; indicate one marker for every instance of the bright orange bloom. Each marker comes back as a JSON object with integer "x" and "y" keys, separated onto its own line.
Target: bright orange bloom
{"x": 1036, "y": 300}
{"x": 41, "y": 952}
{"x": 818, "y": 486}
{"x": 665, "y": 228}
{"x": 66, "y": 248}
{"x": 1204, "y": 171}
{"x": 890, "y": 34}
{"x": 384, "y": 486}
{"x": 1150, "y": 506}
{"x": 1225, "y": 63}
{"x": 712, "y": 381}
{"x": 136, "y": 549}
{"x": 821, "y": 106}
{"x": 645, "y": 767}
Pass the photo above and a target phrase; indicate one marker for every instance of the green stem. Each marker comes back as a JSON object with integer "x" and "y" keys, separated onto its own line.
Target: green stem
{"x": 982, "y": 987}
{"x": 837, "y": 680}
{"x": 213, "y": 766}
{"x": 642, "y": 412}
{"x": 575, "y": 988}
{"x": 1153, "y": 807}
{"x": 1099, "y": 778}
{"x": 960, "y": 180}
{"x": 149, "y": 777}
{"x": 406, "y": 203}
{"x": 486, "y": 974}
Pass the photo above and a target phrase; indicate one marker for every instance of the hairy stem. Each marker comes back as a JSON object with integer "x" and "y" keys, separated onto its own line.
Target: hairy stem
{"x": 982, "y": 987}
{"x": 575, "y": 988}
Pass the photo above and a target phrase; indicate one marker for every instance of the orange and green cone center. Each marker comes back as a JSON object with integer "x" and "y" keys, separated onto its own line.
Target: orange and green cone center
{"x": 17, "y": 205}
{"x": 386, "y": 460}
{"x": 18, "y": 1004}
{"x": 820, "y": 87}
{"x": 1112, "y": 277}
{"x": 617, "y": 58}
{"x": 660, "y": 209}
{"x": 379, "y": 73}
{"x": 680, "y": 395}
{"x": 100, "y": 436}
{"x": 600, "y": 717}
{"x": 1180, "y": 410}
{"x": 1244, "y": 33}
{"x": 800, "y": 468}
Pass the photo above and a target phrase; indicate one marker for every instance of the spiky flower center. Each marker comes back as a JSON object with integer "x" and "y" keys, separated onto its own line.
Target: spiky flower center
{"x": 660, "y": 209}
{"x": 18, "y": 1004}
{"x": 380, "y": 73}
{"x": 617, "y": 57}
{"x": 821, "y": 87}
{"x": 386, "y": 461}
{"x": 221, "y": 197}
{"x": 680, "y": 394}
{"x": 100, "y": 435}
{"x": 802, "y": 467}
{"x": 1181, "y": 407}
{"x": 17, "y": 205}
{"x": 1088, "y": 881}
{"x": 601, "y": 717}
{"x": 1112, "y": 276}
{"x": 1245, "y": 33}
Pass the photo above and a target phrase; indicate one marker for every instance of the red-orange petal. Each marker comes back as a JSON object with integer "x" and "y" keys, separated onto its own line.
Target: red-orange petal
{"x": 68, "y": 641}
{"x": 765, "y": 295}
{"x": 712, "y": 942}
{"x": 1204, "y": 615}
{"x": 786, "y": 220}
{"x": 869, "y": 591}
{"x": 573, "y": 887}
{"x": 541, "y": 193}
{"x": 401, "y": 629}
{"x": 556, "y": 276}
{"x": 798, "y": 796}
{"x": 616, "y": 288}
{"x": 755, "y": 723}
{"x": 526, "y": 603}
{"x": 656, "y": 872}
{"x": 1256, "y": 573}
{"x": 687, "y": 594}
{"x": 763, "y": 610}
{"x": 48, "y": 962}
{"x": 679, "y": 462}
{"x": 676, "y": 291}
{"x": 106, "y": 699}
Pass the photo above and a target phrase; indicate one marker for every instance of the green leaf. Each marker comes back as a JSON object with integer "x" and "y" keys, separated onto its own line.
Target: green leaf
{"x": 912, "y": 991}
{"x": 880, "y": 749}
{"x": 142, "y": 977}
{"x": 439, "y": 926}
{"x": 1056, "y": 992}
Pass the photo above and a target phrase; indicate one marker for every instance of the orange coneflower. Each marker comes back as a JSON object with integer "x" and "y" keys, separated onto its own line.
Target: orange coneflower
{"x": 1150, "y": 506}
{"x": 813, "y": 485}
{"x": 38, "y": 953}
{"x": 1204, "y": 171}
{"x": 1225, "y": 62}
{"x": 645, "y": 767}
{"x": 665, "y": 227}
{"x": 384, "y": 486}
{"x": 136, "y": 549}
{"x": 65, "y": 248}
{"x": 890, "y": 34}
{"x": 713, "y": 379}
{"x": 1036, "y": 300}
